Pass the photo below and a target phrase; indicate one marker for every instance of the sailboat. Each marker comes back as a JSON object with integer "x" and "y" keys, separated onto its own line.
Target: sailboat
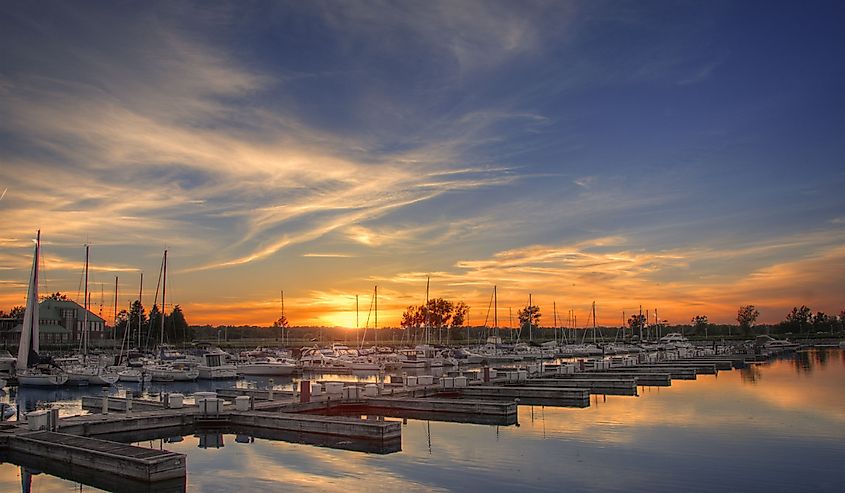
{"x": 34, "y": 370}
{"x": 88, "y": 373}
{"x": 162, "y": 370}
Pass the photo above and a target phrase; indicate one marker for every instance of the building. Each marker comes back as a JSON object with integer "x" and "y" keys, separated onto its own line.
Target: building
{"x": 60, "y": 322}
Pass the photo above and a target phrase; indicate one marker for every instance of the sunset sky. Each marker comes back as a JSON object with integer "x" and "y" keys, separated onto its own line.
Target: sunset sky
{"x": 686, "y": 156}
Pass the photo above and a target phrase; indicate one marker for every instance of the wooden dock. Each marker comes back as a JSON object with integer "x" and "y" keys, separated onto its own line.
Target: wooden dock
{"x": 648, "y": 379}
{"x": 603, "y": 386}
{"x": 116, "y": 458}
{"x": 318, "y": 424}
{"x": 700, "y": 368}
{"x": 560, "y": 396}
{"x": 673, "y": 371}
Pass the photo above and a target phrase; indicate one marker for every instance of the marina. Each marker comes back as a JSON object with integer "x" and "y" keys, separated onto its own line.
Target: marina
{"x": 329, "y": 414}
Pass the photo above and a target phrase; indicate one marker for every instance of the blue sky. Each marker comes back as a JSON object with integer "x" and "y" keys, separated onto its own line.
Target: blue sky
{"x": 680, "y": 155}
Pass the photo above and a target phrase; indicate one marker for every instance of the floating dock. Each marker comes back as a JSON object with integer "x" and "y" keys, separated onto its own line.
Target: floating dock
{"x": 604, "y": 386}
{"x": 647, "y": 379}
{"x": 137, "y": 463}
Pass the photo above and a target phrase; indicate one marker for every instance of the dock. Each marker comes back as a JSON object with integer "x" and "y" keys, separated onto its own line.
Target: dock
{"x": 545, "y": 395}
{"x": 655, "y": 378}
{"x": 137, "y": 463}
{"x": 602, "y": 386}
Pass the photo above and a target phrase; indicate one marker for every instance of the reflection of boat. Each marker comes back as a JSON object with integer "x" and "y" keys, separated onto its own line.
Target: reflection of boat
{"x": 33, "y": 369}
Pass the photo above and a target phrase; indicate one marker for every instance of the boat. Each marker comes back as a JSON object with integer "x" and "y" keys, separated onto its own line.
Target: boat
{"x": 163, "y": 372}
{"x": 91, "y": 375}
{"x": 88, "y": 372}
{"x": 133, "y": 375}
{"x": 7, "y": 362}
{"x": 769, "y": 343}
{"x": 213, "y": 366}
{"x": 266, "y": 366}
{"x": 34, "y": 369}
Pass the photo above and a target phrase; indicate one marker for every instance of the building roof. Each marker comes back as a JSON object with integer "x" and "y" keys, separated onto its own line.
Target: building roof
{"x": 44, "y": 329}
{"x": 51, "y": 309}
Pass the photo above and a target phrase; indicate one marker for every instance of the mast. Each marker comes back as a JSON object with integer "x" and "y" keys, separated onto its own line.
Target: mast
{"x": 85, "y": 315}
{"x": 530, "y": 321}
{"x": 163, "y": 292}
{"x": 427, "y": 309}
{"x": 140, "y": 293}
{"x": 284, "y": 331}
{"x": 357, "y": 322}
{"x": 114, "y": 324}
{"x": 594, "y": 322}
{"x": 495, "y": 311}
{"x": 554, "y": 314}
{"x": 375, "y": 325}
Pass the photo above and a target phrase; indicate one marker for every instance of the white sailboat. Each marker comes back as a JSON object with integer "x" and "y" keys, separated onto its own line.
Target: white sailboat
{"x": 164, "y": 371}
{"x": 89, "y": 373}
{"x": 31, "y": 371}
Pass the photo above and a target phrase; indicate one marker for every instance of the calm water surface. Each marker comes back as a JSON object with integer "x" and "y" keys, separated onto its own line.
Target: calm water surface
{"x": 774, "y": 427}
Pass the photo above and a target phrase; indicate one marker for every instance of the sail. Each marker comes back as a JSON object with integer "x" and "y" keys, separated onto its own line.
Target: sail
{"x": 29, "y": 334}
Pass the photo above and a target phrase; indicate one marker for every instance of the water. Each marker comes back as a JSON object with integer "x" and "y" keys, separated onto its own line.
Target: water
{"x": 771, "y": 427}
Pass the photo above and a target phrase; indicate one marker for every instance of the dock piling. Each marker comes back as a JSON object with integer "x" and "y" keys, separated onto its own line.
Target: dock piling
{"x": 105, "y": 401}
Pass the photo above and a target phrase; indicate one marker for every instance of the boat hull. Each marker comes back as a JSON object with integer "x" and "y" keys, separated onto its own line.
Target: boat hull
{"x": 42, "y": 380}
{"x": 262, "y": 369}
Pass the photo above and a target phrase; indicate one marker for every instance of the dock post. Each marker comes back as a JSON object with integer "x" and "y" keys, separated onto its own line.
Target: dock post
{"x": 305, "y": 391}
{"x": 53, "y": 421}
{"x": 128, "y": 402}
{"x": 404, "y": 380}
{"x": 105, "y": 401}
{"x": 486, "y": 374}
{"x": 270, "y": 390}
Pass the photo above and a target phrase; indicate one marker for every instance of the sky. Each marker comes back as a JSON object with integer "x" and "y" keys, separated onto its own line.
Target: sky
{"x": 680, "y": 156}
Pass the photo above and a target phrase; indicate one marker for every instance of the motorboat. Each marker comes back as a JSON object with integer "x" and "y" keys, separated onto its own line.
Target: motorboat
{"x": 771, "y": 344}
{"x": 266, "y": 366}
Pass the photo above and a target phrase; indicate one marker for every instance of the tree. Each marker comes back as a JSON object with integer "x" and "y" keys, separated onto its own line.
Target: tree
{"x": 154, "y": 325}
{"x": 637, "y": 322}
{"x": 412, "y": 317}
{"x": 58, "y": 296}
{"x": 823, "y": 322}
{"x": 282, "y": 324}
{"x": 459, "y": 316}
{"x": 177, "y": 326}
{"x": 798, "y": 318}
{"x": 529, "y": 317}
{"x": 17, "y": 312}
{"x": 746, "y": 316}
{"x": 700, "y": 324}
